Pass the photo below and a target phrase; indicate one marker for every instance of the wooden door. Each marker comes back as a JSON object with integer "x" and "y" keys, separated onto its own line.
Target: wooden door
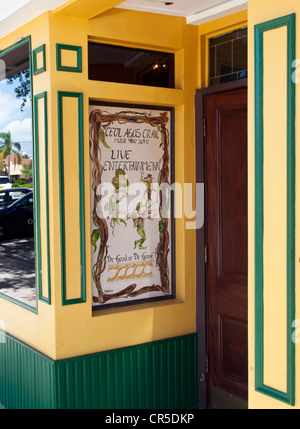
{"x": 226, "y": 237}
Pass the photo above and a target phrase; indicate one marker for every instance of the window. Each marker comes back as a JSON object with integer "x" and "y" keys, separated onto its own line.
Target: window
{"x": 26, "y": 202}
{"x": 127, "y": 65}
{"x": 17, "y": 248}
{"x": 15, "y": 195}
{"x": 228, "y": 57}
{"x": 4, "y": 180}
{"x": 8, "y": 196}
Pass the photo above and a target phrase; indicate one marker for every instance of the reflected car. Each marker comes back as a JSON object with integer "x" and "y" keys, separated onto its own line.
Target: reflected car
{"x": 9, "y": 196}
{"x": 5, "y": 183}
{"x": 16, "y": 220}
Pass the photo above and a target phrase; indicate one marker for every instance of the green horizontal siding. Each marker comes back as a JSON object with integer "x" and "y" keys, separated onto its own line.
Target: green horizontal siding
{"x": 26, "y": 377}
{"x": 158, "y": 375}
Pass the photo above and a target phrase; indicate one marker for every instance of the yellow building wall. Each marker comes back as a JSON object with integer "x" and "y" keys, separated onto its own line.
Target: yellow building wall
{"x": 212, "y": 29}
{"x": 78, "y": 329}
{"x": 36, "y": 329}
{"x": 275, "y": 81}
{"x": 63, "y": 331}
{"x": 72, "y": 330}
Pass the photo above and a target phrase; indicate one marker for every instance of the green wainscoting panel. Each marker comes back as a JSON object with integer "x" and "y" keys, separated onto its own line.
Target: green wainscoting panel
{"x": 289, "y": 395}
{"x": 26, "y": 376}
{"x": 157, "y": 375}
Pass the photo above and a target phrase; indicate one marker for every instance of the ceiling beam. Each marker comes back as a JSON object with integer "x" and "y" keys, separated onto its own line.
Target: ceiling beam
{"x": 86, "y": 9}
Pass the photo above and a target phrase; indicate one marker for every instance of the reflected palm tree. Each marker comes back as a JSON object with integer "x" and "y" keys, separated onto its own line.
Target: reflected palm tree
{"x": 3, "y": 166}
{"x": 8, "y": 148}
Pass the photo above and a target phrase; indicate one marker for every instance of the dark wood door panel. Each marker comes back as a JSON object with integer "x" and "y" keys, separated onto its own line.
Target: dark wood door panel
{"x": 227, "y": 230}
{"x": 232, "y": 198}
{"x": 233, "y": 359}
{"x": 230, "y": 300}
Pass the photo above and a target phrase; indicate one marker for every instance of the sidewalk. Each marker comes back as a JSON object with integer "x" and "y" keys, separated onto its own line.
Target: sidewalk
{"x": 17, "y": 270}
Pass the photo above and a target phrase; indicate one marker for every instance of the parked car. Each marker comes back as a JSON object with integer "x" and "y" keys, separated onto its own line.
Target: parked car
{"x": 16, "y": 220}
{"x": 5, "y": 183}
{"x": 9, "y": 196}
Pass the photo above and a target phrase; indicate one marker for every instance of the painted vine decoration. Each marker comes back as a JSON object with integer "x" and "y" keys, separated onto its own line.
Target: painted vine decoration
{"x": 99, "y": 121}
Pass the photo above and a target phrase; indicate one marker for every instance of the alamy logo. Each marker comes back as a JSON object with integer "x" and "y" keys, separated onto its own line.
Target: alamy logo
{"x": 123, "y": 203}
{"x": 296, "y": 333}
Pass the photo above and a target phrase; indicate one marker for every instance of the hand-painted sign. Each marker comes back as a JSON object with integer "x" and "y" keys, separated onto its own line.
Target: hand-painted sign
{"x": 131, "y": 204}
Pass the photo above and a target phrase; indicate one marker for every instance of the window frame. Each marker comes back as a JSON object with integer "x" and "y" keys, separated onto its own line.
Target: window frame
{"x": 36, "y": 205}
{"x": 172, "y": 83}
{"x": 233, "y": 72}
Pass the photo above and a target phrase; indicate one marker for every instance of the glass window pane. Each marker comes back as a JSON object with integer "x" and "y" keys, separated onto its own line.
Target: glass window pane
{"x": 127, "y": 65}
{"x": 240, "y": 54}
{"x": 212, "y": 62}
{"x": 17, "y": 262}
{"x": 227, "y": 37}
{"x": 224, "y": 59}
{"x": 228, "y": 57}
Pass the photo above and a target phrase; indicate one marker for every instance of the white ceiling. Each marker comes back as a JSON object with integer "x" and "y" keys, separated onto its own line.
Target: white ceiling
{"x": 195, "y": 11}
{"x": 9, "y": 8}
{"x": 14, "y": 13}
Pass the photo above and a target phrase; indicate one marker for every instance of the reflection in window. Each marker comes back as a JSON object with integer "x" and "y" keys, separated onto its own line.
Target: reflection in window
{"x": 228, "y": 57}
{"x": 128, "y": 65}
{"x": 17, "y": 250}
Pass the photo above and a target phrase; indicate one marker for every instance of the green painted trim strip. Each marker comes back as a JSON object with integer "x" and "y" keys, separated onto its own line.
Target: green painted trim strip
{"x": 35, "y": 185}
{"x": 289, "y": 395}
{"x": 36, "y": 51}
{"x": 36, "y": 181}
{"x": 16, "y": 45}
{"x": 36, "y": 188}
{"x": 79, "y": 96}
{"x": 20, "y": 303}
{"x": 43, "y": 96}
{"x": 60, "y": 67}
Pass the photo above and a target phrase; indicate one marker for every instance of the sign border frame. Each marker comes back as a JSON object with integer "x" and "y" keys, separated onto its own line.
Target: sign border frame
{"x": 171, "y": 110}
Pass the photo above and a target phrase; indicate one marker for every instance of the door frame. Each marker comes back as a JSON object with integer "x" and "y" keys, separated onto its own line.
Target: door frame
{"x": 201, "y": 297}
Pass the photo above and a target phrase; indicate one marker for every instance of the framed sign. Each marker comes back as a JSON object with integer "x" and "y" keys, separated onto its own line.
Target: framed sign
{"x": 132, "y": 222}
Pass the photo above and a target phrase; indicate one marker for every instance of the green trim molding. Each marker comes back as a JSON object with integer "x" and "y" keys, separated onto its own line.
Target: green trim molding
{"x": 20, "y": 42}
{"x": 36, "y": 192}
{"x": 60, "y": 67}
{"x": 35, "y": 52}
{"x": 289, "y": 395}
{"x": 43, "y": 96}
{"x": 60, "y": 97}
{"x": 156, "y": 375}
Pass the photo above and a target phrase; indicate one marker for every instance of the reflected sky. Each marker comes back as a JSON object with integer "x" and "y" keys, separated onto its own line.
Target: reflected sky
{"x": 12, "y": 119}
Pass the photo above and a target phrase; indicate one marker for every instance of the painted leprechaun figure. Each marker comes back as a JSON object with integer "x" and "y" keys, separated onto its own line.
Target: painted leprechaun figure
{"x": 138, "y": 222}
